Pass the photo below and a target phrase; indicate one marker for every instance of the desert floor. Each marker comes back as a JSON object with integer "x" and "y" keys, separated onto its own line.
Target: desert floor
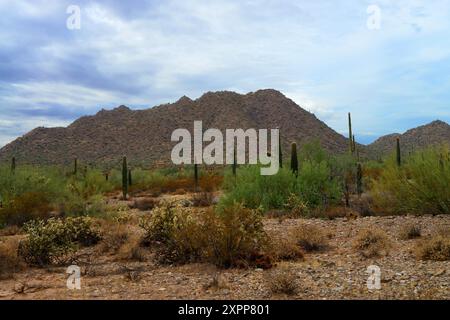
{"x": 336, "y": 273}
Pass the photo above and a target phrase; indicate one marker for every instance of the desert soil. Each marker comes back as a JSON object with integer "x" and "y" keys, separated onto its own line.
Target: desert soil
{"x": 336, "y": 273}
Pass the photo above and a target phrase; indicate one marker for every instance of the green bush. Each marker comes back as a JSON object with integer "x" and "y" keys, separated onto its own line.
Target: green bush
{"x": 227, "y": 238}
{"x": 53, "y": 241}
{"x": 314, "y": 187}
{"x": 419, "y": 186}
{"x": 23, "y": 208}
{"x": 27, "y": 179}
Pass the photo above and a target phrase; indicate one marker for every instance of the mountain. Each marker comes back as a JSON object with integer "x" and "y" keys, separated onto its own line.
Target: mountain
{"x": 144, "y": 135}
{"x": 436, "y": 132}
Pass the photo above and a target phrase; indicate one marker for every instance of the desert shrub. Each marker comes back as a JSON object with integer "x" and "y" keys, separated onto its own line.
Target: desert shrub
{"x": 235, "y": 237}
{"x": 296, "y": 206}
{"x": 227, "y": 238}
{"x": 309, "y": 238}
{"x": 54, "y": 240}
{"x": 121, "y": 240}
{"x": 210, "y": 182}
{"x": 419, "y": 186}
{"x": 282, "y": 281}
{"x": 372, "y": 243}
{"x": 286, "y": 249}
{"x": 436, "y": 248}
{"x": 27, "y": 179}
{"x": 144, "y": 204}
{"x": 114, "y": 236}
{"x": 85, "y": 194}
{"x": 175, "y": 233}
{"x": 25, "y": 207}
{"x": 314, "y": 186}
{"x": 410, "y": 231}
{"x": 255, "y": 190}
{"x": 10, "y": 262}
{"x": 203, "y": 199}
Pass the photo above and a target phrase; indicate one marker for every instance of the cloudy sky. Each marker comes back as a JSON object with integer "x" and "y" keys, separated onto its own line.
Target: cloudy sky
{"x": 321, "y": 54}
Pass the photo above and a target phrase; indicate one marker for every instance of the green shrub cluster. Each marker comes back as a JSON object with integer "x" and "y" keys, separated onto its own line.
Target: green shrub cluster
{"x": 53, "y": 241}
{"x": 419, "y": 186}
{"x": 316, "y": 184}
{"x": 227, "y": 238}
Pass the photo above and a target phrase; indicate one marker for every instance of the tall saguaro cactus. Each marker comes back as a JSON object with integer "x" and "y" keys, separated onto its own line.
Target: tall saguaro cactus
{"x": 75, "y": 166}
{"x": 294, "y": 159}
{"x": 399, "y": 156}
{"x": 130, "y": 180}
{"x": 350, "y": 133}
{"x": 234, "y": 161}
{"x": 359, "y": 175}
{"x": 124, "y": 178}
{"x": 13, "y": 165}
{"x": 280, "y": 153}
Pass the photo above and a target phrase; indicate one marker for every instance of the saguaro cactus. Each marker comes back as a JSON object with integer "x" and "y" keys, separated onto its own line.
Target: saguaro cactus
{"x": 234, "y": 167}
{"x": 350, "y": 133}
{"x": 294, "y": 159}
{"x": 13, "y": 165}
{"x": 280, "y": 153}
{"x": 399, "y": 156}
{"x": 359, "y": 175}
{"x": 124, "y": 178}
{"x": 130, "y": 180}
{"x": 75, "y": 166}
{"x": 353, "y": 144}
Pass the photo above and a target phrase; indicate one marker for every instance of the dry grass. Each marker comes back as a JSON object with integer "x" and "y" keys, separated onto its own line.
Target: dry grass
{"x": 10, "y": 231}
{"x": 410, "y": 231}
{"x": 122, "y": 241}
{"x": 285, "y": 249}
{"x": 144, "y": 204}
{"x": 282, "y": 281}
{"x": 437, "y": 248}
{"x": 203, "y": 199}
{"x": 309, "y": 238}
{"x": 9, "y": 260}
{"x": 372, "y": 243}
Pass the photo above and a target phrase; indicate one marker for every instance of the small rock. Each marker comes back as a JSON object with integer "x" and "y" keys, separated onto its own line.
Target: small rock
{"x": 439, "y": 272}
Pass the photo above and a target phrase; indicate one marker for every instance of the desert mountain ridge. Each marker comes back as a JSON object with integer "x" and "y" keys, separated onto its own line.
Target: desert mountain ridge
{"x": 144, "y": 135}
{"x": 433, "y": 133}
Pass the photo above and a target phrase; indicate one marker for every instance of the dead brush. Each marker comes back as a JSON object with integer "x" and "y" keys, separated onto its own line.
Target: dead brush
{"x": 203, "y": 199}
{"x": 372, "y": 243}
{"x": 286, "y": 249}
{"x": 436, "y": 248}
{"x": 282, "y": 281}
{"x": 10, "y": 262}
{"x": 310, "y": 238}
{"x": 144, "y": 204}
{"x": 410, "y": 231}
